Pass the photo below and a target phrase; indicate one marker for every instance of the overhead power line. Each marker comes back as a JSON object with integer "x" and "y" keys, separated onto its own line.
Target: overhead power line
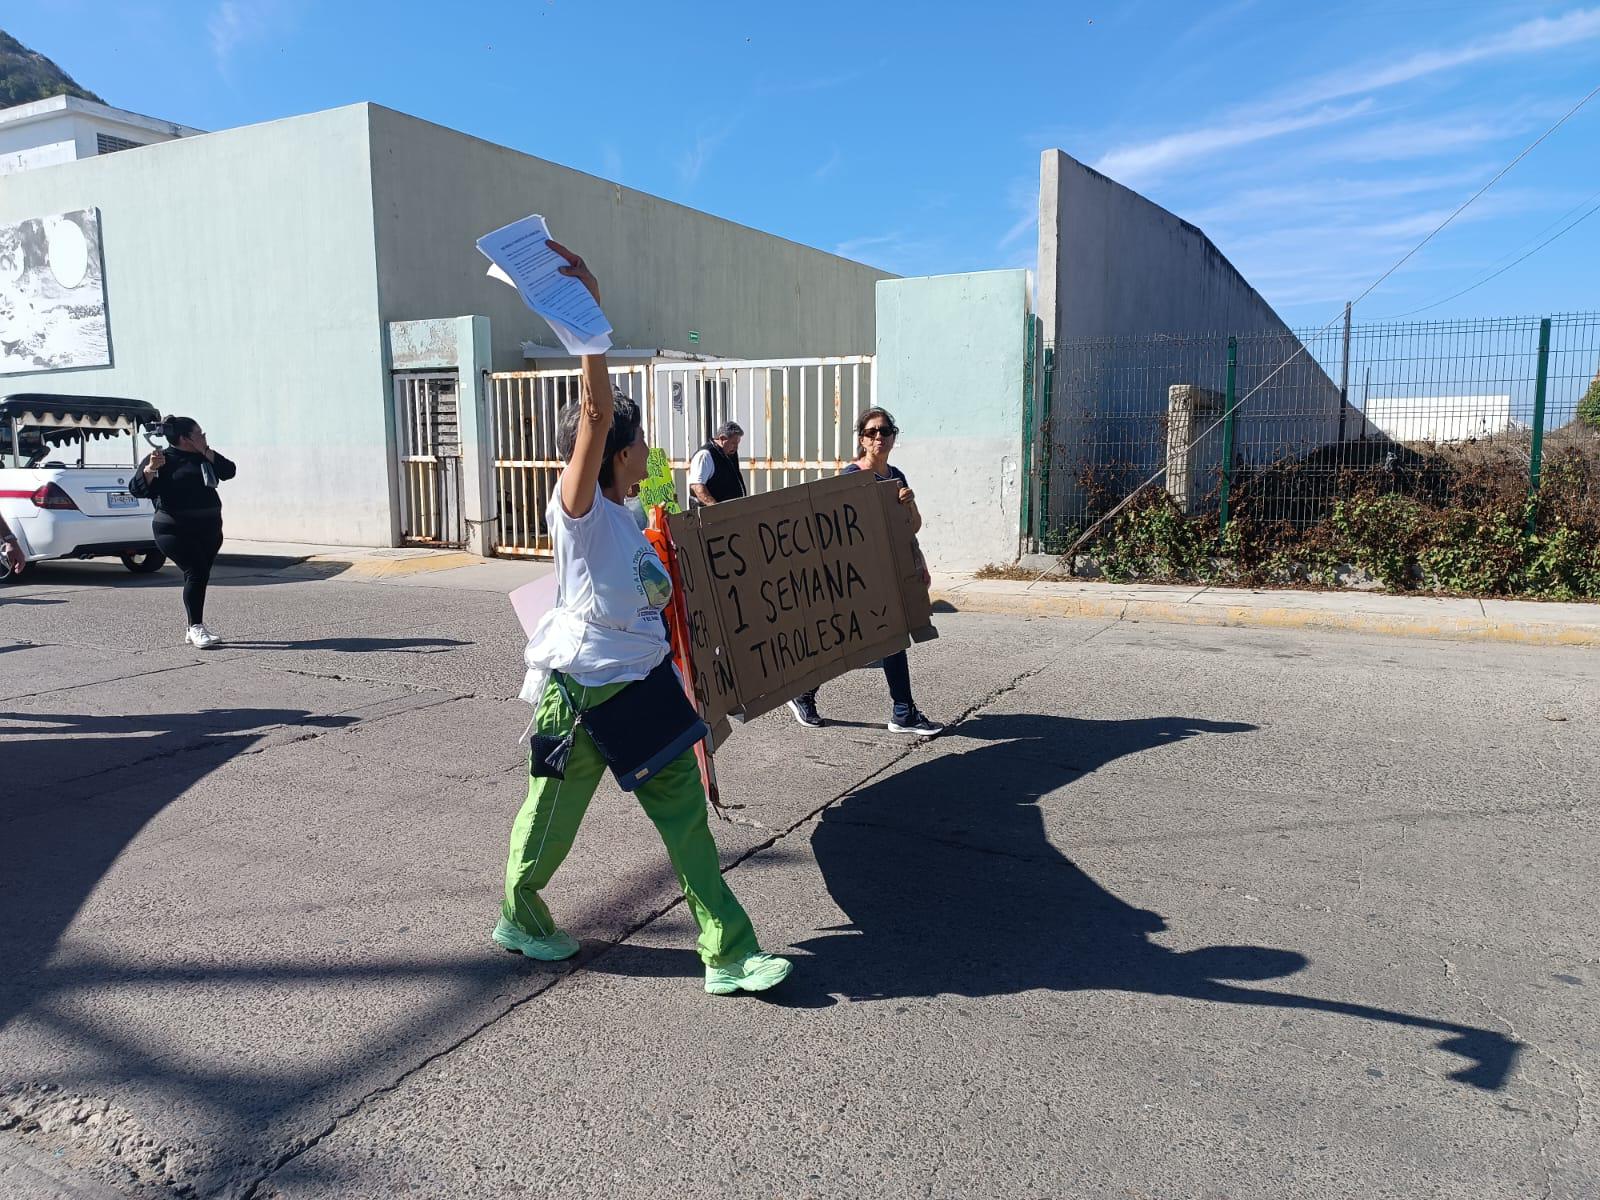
{"x": 1472, "y": 287}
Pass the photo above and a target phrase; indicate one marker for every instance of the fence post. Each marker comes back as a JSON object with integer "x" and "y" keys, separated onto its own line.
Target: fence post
{"x": 1029, "y": 431}
{"x": 1046, "y": 438}
{"x": 1344, "y": 374}
{"x": 1228, "y": 415}
{"x": 1536, "y": 458}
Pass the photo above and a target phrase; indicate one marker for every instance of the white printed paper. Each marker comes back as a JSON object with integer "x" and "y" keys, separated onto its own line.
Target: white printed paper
{"x": 521, "y": 258}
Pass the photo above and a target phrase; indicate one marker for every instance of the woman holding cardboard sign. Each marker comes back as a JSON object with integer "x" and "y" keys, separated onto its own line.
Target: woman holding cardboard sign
{"x": 601, "y": 677}
{"x": 875, "y": 436}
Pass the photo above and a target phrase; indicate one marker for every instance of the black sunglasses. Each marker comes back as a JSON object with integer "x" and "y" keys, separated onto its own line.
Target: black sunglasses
{"x": 879, "y": 431}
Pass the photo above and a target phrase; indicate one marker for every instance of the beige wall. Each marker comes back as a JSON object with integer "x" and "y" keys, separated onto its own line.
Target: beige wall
{"x": 664, "y": 269}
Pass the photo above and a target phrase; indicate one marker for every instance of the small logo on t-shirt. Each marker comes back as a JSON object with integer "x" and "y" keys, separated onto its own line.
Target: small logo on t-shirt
{"x": 654, "y": 581}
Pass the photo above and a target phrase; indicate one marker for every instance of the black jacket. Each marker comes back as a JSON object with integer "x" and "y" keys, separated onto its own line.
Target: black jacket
{"x": 725, "y": 483}
{"x": 181, "y": 488}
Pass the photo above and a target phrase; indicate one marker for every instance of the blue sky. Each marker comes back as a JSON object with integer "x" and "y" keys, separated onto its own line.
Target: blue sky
{"x": 1313, "y": 143}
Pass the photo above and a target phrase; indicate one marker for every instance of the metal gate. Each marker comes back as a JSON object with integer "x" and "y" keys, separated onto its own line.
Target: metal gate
{"x": 524, "y": 407}
{"x": 798, "y": 415}
{"x": 428, "y": 458}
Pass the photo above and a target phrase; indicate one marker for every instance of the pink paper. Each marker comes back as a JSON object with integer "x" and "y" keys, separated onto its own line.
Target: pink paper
{"x": 533, "y": 600}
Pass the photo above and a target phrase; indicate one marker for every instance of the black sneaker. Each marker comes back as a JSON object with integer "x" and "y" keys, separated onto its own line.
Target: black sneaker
{"x": 805, "y": 711}
{"x": 916, "y": 723}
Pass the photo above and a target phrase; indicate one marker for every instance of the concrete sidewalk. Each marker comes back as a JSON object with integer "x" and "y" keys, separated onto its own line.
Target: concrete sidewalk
{"x": 415, "y": 566}
{"x": 1527, "y": 622}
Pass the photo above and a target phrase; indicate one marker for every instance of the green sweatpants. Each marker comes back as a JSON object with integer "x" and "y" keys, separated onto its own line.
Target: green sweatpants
{"x": 674, "y": 799}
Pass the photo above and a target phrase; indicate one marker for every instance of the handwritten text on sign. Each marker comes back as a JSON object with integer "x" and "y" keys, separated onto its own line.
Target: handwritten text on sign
{"x": 789, "y": 589}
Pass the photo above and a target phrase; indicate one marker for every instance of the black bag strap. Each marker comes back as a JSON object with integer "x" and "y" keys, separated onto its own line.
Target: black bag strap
{"x": 557, "y": 758}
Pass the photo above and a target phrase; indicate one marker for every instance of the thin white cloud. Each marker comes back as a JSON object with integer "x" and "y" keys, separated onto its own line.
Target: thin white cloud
{"x": 693, "y": 161}
{"x": 1531, "y": 37}
{"x": 1404, "y": 141}
{"x": 232, "y": 24}
{"x": 1023, "y": 198}
{"x": 855, "y": 246}
{"x": 802, "y": 86}
{"x": 1150, "y": 160}
{"x": 1378, "y": 227}
{"x": 895, "y": 251}
{"x": 1324, "y": 195}
{"x": 1025, "y": 225}
{"x": 1209, "y": 22}
{"x": 1331, "y": 257}
{"x": 1309, "y": 106}
{"x": 835, "y": 160}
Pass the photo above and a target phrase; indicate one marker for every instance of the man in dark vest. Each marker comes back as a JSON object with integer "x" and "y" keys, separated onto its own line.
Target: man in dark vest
{"x": 714, "y": 470}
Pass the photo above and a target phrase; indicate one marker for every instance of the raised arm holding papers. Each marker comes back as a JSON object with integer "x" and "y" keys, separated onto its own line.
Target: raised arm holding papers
{"x": 523, "y": 258}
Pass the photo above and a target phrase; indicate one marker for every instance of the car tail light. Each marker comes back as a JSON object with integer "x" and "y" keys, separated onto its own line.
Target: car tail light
{"x": 51, "y": 496}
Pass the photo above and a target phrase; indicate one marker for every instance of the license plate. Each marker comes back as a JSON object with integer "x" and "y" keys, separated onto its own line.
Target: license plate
{"x": 121, "y": 500}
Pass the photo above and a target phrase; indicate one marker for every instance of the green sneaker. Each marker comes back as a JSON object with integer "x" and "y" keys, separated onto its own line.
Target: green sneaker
{"x": 756, "y": 973}
{"x": 554, "y": 948}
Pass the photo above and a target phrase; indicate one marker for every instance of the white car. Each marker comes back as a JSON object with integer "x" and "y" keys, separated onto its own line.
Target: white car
{"x": 65, "y": 465}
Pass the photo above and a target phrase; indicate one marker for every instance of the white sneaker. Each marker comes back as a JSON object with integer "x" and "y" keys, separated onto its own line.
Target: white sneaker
{"x": 201, "y": 638}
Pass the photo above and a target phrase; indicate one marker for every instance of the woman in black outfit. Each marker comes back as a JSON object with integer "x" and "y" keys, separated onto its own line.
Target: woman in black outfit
{"x": 182, "y": 481}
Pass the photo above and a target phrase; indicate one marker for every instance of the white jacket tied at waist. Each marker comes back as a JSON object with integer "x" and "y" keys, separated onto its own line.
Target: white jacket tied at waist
{"x": 563, "y": 639}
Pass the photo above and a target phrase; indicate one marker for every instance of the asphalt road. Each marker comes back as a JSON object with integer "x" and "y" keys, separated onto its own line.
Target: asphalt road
{"x": 1172, "y": 912}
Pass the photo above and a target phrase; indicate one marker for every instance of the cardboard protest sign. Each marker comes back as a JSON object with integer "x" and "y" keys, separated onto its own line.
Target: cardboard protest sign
{"x": 789, "y": 589}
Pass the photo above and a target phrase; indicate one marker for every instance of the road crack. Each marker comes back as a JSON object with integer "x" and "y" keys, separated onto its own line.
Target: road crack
{"x": 1579, "y": 1097}
{"x": 256, "y": 1188}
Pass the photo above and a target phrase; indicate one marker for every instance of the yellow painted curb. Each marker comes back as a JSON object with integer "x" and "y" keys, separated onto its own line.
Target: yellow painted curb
{"x": 1482, "y": 629}
{"x": 388, "y": 568}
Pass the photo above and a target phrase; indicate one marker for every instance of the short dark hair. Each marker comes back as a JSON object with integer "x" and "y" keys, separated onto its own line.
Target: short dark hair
{"x": 625, "y": 421}
{"x": 175, "y": 429}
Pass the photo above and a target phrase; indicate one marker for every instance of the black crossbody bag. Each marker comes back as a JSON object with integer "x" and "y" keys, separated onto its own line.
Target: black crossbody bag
{"x": 638, "y": 731}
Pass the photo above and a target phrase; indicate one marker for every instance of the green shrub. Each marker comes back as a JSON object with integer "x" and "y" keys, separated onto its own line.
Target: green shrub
{"x": 1473, "y": 544}
{"x": 1564, "y": 565}
{"x": 1383, "y": 535}
{"x": 1480, "y": 553}
{"x": 1153, "y": 540}
{"x": 1589, "y": 404}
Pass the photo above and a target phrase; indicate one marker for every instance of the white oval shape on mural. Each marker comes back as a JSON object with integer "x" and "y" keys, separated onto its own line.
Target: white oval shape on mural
{"x": 69, "y": 252}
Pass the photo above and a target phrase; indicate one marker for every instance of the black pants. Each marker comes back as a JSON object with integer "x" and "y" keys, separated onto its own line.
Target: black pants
{"x": 192, "y": 543}
{"x": 897, "y": 672}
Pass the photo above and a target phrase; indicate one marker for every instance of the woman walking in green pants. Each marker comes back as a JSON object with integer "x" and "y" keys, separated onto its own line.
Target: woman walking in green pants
{"x": 605, "y": 634}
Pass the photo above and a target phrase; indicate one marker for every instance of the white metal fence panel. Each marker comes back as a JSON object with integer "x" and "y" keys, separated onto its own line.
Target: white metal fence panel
{"x": 524, "y": 409}
{"x": 798, "y": 414}
{"x": 428, "y": 459}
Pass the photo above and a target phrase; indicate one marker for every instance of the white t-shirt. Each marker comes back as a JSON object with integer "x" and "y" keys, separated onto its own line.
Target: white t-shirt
{"x": 701, "y": 468}
{"x": 606, "y": 627}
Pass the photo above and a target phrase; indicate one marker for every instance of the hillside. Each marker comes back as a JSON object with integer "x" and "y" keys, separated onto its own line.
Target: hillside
{"x": 26, "y": 76}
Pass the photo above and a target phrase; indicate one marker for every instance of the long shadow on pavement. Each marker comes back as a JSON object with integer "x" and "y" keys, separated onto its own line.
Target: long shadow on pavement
{"x": 61, "y": 839}
{"x": 952, "y": 886}
{"x": 923, "y": 922}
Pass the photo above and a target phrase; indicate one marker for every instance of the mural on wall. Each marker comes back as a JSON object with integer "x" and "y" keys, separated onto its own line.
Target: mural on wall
{"x": 52, "y": 294}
